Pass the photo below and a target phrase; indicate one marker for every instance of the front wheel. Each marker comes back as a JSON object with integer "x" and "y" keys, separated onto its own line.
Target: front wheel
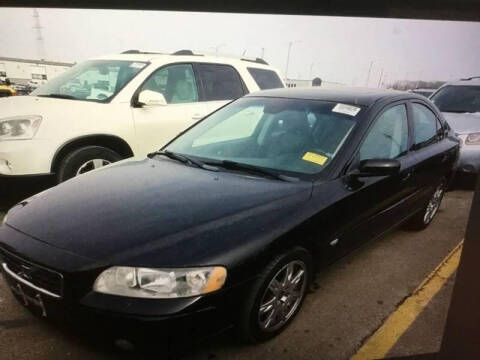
{"x": 423, "y": 218}
{"x": 276, "y": 296}
{"x": 85, "y": 159}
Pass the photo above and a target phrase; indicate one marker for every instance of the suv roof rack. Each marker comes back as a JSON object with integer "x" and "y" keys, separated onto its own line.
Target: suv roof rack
{"x": 257, "y": 60}
{"x": 471, "y": 78}
{"x": 185, "y": 52}
{"x": 139, "y": 52}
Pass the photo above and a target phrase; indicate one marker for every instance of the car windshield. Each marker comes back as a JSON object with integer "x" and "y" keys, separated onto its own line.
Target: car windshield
{"x": 284, "y": 135}
{"x": 95, "y": 80}
{"x": 460, "y": 99}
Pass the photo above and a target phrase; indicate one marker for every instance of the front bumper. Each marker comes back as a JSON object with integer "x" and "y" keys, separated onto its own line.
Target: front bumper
{"x": 26, "y": 157}
{"x": 173, "y": 322}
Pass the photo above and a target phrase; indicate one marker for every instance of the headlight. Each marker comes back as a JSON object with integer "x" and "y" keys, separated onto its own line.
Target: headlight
{"x": 4, "y": 221}
{"x": 19, "y": 127}
{"x": 160, "y": 283}
{"x": 473, "y": 139}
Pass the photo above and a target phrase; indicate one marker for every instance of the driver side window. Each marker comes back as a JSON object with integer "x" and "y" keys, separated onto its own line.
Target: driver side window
{"x": 388, "y": 137}
{"x": 175, "y": 82}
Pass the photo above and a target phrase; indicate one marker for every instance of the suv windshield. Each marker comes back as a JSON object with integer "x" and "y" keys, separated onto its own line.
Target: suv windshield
{"x": 459, "y": 99}
{"x": 284, "y": 135}
{"x": 94, "y": 80}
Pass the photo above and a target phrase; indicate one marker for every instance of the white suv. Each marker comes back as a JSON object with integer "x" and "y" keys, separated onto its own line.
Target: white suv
{"x": 115, "y": 107}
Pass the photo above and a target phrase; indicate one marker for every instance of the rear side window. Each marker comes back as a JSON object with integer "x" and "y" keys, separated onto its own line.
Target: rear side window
{"x": 265, "y": 79}
{"x": 425, "y": 124}
{"x": 220, "y": 82}
{"x": 388, "y": 138}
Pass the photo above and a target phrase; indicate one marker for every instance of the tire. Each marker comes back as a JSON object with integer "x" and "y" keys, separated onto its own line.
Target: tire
{"x": 83, "y": 160}
{"x": 252, "y": 323}
{"x": 424, "y": 217}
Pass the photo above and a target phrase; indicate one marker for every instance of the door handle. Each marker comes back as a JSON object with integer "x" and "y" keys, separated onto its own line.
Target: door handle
{"x": 407, "y": 176}
{"x": 197, "y": 116}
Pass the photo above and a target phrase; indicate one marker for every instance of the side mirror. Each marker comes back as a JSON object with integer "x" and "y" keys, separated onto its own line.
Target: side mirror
{"x": 377, "y": 167}
{"x": 151, "y": 98}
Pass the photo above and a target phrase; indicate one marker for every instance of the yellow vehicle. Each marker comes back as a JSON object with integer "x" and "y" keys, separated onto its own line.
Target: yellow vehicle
{"x": 6, "y": 90}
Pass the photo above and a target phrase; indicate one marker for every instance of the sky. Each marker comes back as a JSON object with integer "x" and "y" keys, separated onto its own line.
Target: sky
{"x": 337, "y": 49}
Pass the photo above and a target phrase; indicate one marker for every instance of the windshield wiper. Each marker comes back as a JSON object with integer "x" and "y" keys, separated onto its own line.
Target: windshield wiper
{"x": 233, "y": 165}
{"x": 183, "y": 158}
{"x": 59, "y": 96}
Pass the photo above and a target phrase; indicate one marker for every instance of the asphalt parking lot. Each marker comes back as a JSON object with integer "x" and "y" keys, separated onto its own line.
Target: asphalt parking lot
{"x": 354, "y": 298}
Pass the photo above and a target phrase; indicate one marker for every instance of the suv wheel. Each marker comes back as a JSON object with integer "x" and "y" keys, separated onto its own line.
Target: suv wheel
{"x": 276, "y": 296}
{"x": 85, "y": 159}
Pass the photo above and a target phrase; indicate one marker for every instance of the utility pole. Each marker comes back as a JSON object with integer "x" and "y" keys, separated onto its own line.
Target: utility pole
{"x": 263, "y": 53}
{"x": 288, "y": 56}
{"x": 288, "y": 59}
{"x": 39, "y": 37}
{"x": 369, "y": 71}
{"x": 380, "y": 79}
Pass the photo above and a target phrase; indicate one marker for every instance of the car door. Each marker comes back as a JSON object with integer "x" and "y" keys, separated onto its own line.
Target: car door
{"x": 219, "y": 83}
{"x": 155, "y": 125}
{"x": 371, "y": 205}
{"x": 435, "y": 155}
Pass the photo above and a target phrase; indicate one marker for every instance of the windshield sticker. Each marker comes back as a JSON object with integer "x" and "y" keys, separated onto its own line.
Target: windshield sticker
{"x": 346, "y": 109}
{"x": 315, "y": 158}
{"x": 137, "y": 65}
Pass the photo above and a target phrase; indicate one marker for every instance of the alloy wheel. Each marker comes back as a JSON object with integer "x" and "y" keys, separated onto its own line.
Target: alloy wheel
{"x": 282, "y": 296}
{"x": 434, "y": 204}
{"x": 91, "y": 165}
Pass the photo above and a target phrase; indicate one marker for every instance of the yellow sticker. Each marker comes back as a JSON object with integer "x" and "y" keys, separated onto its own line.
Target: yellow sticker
{"x": 315, "y": 158}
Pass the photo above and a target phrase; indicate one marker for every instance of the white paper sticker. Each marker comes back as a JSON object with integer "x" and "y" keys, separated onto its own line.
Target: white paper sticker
{"x": 137, "y": 65}
{"x": 346, "y": 109}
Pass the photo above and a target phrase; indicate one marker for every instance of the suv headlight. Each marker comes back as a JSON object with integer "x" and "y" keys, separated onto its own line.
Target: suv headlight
{"x": 160, "y": 283}
{"x": 473, "y": 139}
{"x": 19, "y": 127}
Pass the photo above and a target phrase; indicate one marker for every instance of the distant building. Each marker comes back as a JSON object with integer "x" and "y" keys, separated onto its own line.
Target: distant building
{"x": 294, "y": 83}
{"x": 30, "y": 72}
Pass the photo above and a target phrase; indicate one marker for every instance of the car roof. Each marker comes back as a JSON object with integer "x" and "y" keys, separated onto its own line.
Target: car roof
{"x": 349, "y": 95}
{"x": 473, "y": 81}
{"x": 162, "y": 58}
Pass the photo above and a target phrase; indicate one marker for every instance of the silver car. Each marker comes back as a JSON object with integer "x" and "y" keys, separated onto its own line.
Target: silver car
{"x": 459, "y": 101}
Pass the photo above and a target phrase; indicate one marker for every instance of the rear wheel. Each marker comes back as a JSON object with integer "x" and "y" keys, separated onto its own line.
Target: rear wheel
{"x": 276, "y": 296}
{"x": 423, "y": 218}
{"x": 85, "y": 159}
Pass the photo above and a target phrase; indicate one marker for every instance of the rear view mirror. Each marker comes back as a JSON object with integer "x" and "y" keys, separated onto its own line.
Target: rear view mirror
{"x": 151, "y": 98}
{"x": 378, "y": 167}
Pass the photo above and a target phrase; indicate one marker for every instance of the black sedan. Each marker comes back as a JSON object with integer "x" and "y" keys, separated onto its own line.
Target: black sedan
{"x": 227, "y": 224}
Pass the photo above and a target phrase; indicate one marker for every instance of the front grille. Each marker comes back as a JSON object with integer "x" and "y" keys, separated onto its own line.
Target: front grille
{"x": 39, "y": 276}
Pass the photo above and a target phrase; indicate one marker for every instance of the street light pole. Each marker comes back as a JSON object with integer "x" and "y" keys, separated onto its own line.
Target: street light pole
{"x": 380, "y": 79}
{"x": 288, "y": 59}
{"x": 288, "y": 56}
{"x": 369, "y": 71}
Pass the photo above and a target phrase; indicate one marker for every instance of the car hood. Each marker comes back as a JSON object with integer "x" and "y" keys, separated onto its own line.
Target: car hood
{"x": 34, "y": 105}
{"x": 463, "y": 123}
{"x": 130, "y": 204}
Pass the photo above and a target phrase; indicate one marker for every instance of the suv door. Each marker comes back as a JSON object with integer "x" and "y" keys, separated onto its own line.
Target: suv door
{"x": 372, "y": 205}
{"x": 435, "y": 155}
{"x": 220, "y": 84}
{"x": 155, "y": 125}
